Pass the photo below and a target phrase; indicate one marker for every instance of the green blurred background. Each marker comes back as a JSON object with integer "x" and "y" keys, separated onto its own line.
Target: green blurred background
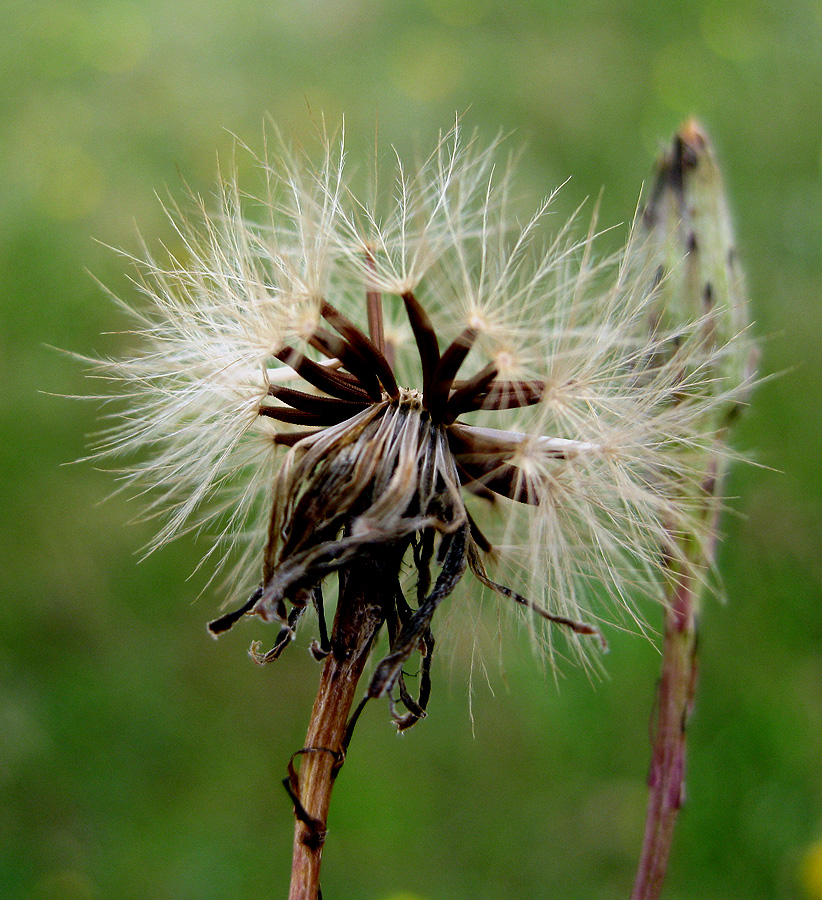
{"x": 140, "y": 759}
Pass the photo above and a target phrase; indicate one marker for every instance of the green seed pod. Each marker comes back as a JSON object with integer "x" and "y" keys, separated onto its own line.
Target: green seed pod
{"x": 689, "y": 237}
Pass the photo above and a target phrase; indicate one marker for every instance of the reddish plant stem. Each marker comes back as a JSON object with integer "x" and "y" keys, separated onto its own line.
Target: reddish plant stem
{"x": 677, "y": 689}
{"x": 666, "y": 779}
{"x": 357, "y": 620}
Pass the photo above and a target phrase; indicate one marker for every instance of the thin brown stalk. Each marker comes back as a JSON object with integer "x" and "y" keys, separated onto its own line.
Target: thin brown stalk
{"x": 358, "y": 618}
{"x": 666, "y": 779}
{"x": 676, "y": 693}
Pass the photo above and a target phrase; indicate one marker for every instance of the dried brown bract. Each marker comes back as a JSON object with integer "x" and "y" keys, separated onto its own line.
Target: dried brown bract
{"x": 381, "y": 466}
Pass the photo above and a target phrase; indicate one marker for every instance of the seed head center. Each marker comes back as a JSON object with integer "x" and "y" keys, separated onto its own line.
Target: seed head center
{"x": 410, "y": 397}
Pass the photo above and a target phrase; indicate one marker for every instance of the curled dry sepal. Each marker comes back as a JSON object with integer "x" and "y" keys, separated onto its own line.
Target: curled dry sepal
{"x": 419, "y": 378}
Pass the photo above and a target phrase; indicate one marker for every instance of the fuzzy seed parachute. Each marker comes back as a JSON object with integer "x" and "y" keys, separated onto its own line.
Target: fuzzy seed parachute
{"x": 418, "y": 377}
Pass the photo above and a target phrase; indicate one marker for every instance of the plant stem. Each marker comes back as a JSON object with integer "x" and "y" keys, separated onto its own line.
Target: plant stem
{"x": 677, "y": 688}
{"x": 359, "y": 615}
{"x": 666, "y": 779}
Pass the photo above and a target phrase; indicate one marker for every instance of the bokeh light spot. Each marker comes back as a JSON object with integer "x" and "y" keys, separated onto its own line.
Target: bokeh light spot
{"x": 812, "y": 871}
{"x": 72, "y": 185}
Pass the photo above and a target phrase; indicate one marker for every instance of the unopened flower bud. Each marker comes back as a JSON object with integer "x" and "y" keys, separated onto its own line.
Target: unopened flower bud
{"x": 690, "y": 237}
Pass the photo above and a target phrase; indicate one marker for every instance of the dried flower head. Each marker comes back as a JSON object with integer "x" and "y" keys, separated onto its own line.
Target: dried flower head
{"x": 421, "y": 379}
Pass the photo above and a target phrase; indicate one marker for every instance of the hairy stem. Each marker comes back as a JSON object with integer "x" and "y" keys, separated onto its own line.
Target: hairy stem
{"x": 666, "y": 779}
{"x": 677, "y": 689}
{"x": 359, "y": 615}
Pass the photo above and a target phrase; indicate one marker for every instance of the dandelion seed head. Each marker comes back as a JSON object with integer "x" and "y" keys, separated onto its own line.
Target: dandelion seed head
{"x": 469, "y": 374}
